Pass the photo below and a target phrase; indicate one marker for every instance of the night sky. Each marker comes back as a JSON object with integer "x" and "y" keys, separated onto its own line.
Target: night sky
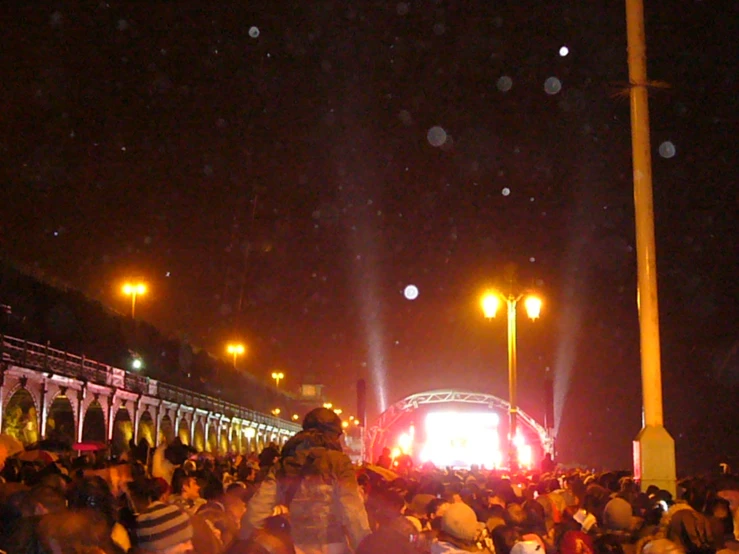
{"x": 280, "y": 172}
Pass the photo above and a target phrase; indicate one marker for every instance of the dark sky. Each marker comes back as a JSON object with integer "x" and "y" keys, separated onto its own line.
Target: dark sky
{"x": 327, "y": 154}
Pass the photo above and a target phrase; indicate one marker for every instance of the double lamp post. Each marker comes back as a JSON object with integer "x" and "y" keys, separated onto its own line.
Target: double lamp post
{"x": 490, "y": 303}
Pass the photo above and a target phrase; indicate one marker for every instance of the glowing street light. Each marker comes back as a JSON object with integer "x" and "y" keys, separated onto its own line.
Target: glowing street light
{"x": 236, "y": 350}
{"x": 276, "y": 412}
{"x": 328, "y": 405}
{"x": 134, "y": 290}
{"x": 490, "y": 302}
{"x": 277, "y": 376}
{"x": 295, "y": 417}
{"x": 338, "y": 411}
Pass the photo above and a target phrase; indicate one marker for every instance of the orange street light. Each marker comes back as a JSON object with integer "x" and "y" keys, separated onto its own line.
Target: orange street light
{"x": 490, "y": 302}
{"x": 277, "y": 376}
{"x": 236, "y": 350}
{"x": 134, "y": 290}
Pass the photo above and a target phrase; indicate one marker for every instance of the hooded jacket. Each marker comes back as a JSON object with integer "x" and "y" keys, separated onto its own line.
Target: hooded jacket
{"x": 317, "y": 482}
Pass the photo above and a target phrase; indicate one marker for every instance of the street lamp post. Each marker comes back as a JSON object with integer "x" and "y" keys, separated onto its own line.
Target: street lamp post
{"x": 654, "y": 448}
{"x": 235, "y": 350}
{"x": 490, "y": 303}
{"x": 278, "y": 376}
{"x": 134, "y": 290}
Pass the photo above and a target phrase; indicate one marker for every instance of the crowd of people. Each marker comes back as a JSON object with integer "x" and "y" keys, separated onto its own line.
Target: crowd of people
{"x": 309, "y": 498}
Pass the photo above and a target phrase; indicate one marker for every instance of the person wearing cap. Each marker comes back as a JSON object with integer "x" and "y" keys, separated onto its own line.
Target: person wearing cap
{"x": 460, "y": 531}
{"x": 318, "y": 484}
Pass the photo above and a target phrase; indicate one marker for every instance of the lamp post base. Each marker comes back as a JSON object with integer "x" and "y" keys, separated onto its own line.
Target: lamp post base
{"x": 654, "y": 458}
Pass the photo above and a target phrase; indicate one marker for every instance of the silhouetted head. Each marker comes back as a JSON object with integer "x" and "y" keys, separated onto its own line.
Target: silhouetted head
{"x": 323, "y": 420}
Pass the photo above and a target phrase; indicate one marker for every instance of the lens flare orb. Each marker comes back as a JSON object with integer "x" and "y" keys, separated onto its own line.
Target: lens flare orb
{"x": 411, "y": 292}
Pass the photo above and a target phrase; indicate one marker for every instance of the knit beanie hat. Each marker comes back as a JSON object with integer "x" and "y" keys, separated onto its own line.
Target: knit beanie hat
{"x": 617, "y": 515}
{"x": 162, "y": 526}
{"x": 460, "y": 522}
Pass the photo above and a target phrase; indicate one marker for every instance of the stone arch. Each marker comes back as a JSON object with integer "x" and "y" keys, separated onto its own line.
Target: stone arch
{"x": 93, "y": 424}
{"x": 20, "y": 417}
{"x": 198, "y": 439}
{"x": 166, "y": 430}
{"x": 61, "y": 423}
{"x": 249, "y": 438}
{"x": 183, "y": 431}
{"x": 223, "y": 443}
{"x": 147, "y": 428}
{"x": 211, "y": 443}
{"x": 236, "y": 439}
{"x": 122, "y": 431}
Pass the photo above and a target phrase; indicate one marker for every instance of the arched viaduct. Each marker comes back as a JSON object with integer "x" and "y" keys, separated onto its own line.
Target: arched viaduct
{"x": 48, "y": 393}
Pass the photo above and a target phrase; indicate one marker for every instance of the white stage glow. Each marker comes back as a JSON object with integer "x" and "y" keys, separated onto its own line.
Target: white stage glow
{"x": 462, "y": 439}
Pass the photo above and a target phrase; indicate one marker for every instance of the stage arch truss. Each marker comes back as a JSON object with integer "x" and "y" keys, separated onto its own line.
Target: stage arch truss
{"x": 411, "y": 403}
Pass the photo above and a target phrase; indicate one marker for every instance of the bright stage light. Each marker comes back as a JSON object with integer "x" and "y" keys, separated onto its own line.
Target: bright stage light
{"x": 405, "y": 443}
{"x": 525, "y": 452}
{"x": 462, "y": 439}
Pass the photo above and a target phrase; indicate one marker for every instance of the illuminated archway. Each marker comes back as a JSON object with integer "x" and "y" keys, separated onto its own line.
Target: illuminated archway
{"x": 20, "y": 417}
{"x": 198, "y": 439}
{"x": 122, "y": 431}
{"x": 223, "y": 444}
{"x": 93, "y": 426}
{"x": 411, "y": 403}
{"x": 146, "y": 429}
{"x": 183, "y": 431}
{"x": 166, "y": 431}
{"x": 61, "y": 421}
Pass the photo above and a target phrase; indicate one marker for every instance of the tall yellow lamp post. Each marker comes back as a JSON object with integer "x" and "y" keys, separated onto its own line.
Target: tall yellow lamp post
{"x": 490, "y": 303}
{"x": 134, "y": 290}
{"x": 654, "y": 448}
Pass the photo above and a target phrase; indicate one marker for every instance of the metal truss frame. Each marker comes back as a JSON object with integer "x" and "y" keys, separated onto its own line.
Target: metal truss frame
{"x": 411, "y": 403}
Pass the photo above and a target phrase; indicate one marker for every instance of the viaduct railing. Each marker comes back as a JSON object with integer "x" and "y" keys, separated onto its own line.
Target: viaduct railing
{"x": 45, "y": 359}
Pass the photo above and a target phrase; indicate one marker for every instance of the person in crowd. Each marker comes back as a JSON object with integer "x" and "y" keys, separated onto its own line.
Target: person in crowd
{"x": 318, "y": 483}
{"x": 75, "y": 532}
{"x": 547, "y": 464}
{"x": 688, "y": 528}
{"x": 93, "y": 493}
{"x": 385, "y": 460}
{"x": 164, "y": 528}
{"x": 186, "y": 492}
{"x": 236, "y": 499}
{"x": 504, "y": 538}
{"x": 460, "y": 531}
{"x": 417, "y": 511}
